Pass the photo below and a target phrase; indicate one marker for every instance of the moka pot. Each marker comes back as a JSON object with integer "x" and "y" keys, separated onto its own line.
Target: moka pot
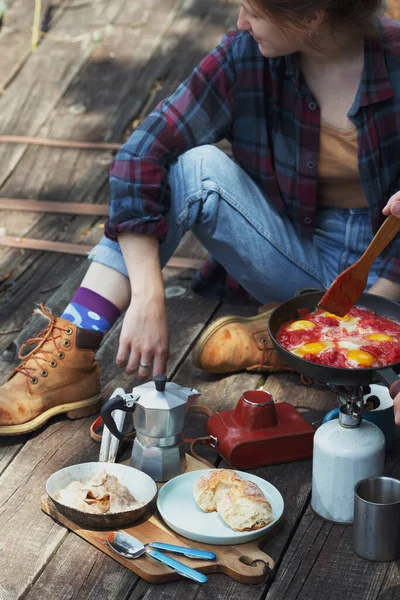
{"x": 159, "y": 409}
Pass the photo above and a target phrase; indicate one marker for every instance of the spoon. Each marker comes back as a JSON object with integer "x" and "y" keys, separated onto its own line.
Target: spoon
{"x": 128, "y": 546}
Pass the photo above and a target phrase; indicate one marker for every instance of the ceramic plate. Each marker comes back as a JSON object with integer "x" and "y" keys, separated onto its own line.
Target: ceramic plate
{"x": 180, "y": 512}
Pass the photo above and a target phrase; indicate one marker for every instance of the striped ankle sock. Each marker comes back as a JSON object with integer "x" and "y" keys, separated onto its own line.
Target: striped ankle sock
{"x": 89, "y": 310}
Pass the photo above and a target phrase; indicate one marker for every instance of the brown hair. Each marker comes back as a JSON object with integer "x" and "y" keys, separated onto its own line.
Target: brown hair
{"x": 354, "y": 15}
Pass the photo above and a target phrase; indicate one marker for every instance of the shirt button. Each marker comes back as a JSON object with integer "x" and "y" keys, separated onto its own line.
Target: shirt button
{"x": 307, "y": 221}
{"x": 311, "y": 165}
{"x": 312, "y": 106}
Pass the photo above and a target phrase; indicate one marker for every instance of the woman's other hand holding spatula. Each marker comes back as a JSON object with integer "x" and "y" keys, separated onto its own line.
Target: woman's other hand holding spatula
{"x": 349, "y": 285}
{"x": 393, "y": 206}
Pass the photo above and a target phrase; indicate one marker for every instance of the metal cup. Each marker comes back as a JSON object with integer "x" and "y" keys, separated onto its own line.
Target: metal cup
{"x": 376, "y": 526}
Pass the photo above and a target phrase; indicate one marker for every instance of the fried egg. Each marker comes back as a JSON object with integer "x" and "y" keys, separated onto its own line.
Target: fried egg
{"x": 345, "y": 318}
{"x": 312, "y": 348}
{"x": 301, "y": 324}
{"x": 347, "y": 322}
{"x": 362, "y": 358}
{"x": 380, "y": 337}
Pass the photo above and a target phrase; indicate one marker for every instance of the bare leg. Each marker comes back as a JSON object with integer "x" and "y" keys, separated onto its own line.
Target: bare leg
{"x": 109, "y": 283}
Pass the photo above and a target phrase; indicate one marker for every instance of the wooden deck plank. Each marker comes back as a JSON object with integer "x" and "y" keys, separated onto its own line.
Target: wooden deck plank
{"x": 94, "y": 576}
{"x": 180, "y": 52}
{"x": 16, "y": 33}
{"x": 124, "y": 66}
{"x": 320, "y": 563}
{"x": 9, "y": 448}
{"x": 60, "y": 174}
{"x": 390, "y": 589}
{"x": 218, "y": 587}
{"x": 46, "y": 75}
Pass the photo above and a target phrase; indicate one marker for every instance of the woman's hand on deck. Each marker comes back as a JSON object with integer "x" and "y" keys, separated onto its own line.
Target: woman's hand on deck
{"x": 144, "y": 338}
{"x": 393, "y": 206}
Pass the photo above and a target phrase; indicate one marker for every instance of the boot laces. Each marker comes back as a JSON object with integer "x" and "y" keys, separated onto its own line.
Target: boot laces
{"x": 269, "y": 359}
{"x": 52, "y": 333}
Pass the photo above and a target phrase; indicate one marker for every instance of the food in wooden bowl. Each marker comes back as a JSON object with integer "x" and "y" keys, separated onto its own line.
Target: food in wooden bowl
{"x": 361, "y": 339}
{"x": 240, "y": 503}
{"x": 116, "y": 495}
{"x": 100, "y": 494}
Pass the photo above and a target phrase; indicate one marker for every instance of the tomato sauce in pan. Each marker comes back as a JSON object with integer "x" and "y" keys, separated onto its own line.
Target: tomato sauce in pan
{"x": 359, "y": 340}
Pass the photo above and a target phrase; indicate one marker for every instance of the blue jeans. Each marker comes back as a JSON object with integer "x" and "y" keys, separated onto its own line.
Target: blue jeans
{"x": 223, "y": 207}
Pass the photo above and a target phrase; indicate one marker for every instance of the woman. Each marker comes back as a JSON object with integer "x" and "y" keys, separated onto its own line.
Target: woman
{"x": 308, "y": 93}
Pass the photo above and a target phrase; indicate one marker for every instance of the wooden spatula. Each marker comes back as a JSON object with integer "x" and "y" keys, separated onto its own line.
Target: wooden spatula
{"x": 349, "y": 285}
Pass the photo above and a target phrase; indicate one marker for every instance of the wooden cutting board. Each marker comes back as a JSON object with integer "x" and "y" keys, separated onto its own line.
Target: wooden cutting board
{"x": 244, "y": 562}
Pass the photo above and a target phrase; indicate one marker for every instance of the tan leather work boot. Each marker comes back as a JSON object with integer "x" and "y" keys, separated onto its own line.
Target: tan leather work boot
{"x": 235, "y": 343}
{"x": 59, "y": 375}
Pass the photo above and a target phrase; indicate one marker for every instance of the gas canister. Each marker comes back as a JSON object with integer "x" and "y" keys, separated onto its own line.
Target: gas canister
{"x": 346, "y": 450}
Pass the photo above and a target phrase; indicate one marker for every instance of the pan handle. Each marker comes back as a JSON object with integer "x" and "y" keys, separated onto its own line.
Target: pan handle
{"x": 302, "y": 291}
{"x": 126, "y": 403}
{"x": 391, "y": 378}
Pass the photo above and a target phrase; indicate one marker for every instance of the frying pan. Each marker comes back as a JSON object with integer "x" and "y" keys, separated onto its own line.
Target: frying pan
{"x": 140, "y": 485}
{"x": 288, "y": 311}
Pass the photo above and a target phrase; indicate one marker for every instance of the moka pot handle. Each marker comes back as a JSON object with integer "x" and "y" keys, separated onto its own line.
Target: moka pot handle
{"x": 125, "y": 403}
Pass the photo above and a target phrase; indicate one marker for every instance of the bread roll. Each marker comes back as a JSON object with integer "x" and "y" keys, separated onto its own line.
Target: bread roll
{"x": 244, "y": 507}
{"x": 240, "y": 503}
{"x": 211, "y": 486}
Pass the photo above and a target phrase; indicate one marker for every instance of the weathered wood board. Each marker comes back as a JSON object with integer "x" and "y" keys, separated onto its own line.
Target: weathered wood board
{"x": 16, "y": 34}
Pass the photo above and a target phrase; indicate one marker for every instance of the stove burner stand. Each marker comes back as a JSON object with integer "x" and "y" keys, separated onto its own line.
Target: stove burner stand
{"x": 352, "y": 404}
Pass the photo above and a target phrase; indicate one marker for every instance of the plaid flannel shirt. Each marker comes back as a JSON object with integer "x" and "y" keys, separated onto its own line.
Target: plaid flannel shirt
{"x": 264, "y": 108}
